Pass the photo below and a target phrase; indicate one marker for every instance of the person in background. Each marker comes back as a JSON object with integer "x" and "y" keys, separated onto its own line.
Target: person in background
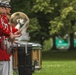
{"x": 8, "y": 15}
{"x": 5, "y": 32}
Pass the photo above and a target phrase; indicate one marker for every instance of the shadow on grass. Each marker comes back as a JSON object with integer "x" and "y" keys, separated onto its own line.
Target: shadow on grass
{"x": 59, "y": 55}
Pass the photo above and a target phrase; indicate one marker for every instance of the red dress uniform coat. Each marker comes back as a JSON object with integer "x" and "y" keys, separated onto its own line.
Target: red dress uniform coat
{"x": 4, "y": 31}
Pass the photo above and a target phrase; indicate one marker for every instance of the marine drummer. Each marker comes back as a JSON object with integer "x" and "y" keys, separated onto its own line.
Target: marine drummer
{"x": 5, "y": 32}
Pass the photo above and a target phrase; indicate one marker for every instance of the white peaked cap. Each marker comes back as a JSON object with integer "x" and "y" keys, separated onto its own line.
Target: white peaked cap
{"x": 0, "y": 1}
{"x": 5, "y": 1}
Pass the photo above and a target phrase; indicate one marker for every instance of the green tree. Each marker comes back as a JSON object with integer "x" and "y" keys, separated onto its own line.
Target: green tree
{"x": 40, "y": 9}
{"x": 21, "y": 5}
{"x": 62, "y": 15}
{"x": 48, "y": 17}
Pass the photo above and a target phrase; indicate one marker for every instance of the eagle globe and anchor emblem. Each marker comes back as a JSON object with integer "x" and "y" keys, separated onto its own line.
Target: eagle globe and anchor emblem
{"x": 21, "y": 22}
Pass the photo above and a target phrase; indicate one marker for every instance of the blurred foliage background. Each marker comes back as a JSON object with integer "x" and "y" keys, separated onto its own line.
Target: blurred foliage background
{"x": 48, "y": 18}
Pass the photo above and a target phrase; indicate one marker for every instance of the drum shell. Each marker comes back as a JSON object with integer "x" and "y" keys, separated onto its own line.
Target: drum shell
{"x": 36, "y": 56}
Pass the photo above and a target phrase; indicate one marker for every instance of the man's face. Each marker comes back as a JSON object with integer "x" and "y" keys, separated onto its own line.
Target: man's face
{"x": 4, "y": 10}
{"x": 1, "y": 10}
{"x": 8, "y": 10}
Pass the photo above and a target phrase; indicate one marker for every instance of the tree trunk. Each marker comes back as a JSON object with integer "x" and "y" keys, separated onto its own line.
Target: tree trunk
{"x": 54, "y": 44}
{"x": 71, "y": 41}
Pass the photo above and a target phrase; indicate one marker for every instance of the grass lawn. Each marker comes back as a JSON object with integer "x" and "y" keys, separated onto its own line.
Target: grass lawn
{"x": 14, "y": 73}
{"x": 57, "y": 63}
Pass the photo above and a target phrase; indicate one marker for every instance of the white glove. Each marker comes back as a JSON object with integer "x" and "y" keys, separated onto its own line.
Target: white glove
{"x": 17, "y": 26}
{"x": 20, "y": 21}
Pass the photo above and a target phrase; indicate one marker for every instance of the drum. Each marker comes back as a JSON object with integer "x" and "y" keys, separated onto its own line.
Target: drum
{"x": 24, "y": 58}
{"x": 36, "y": 56}
{"x": 15, "y": 59}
